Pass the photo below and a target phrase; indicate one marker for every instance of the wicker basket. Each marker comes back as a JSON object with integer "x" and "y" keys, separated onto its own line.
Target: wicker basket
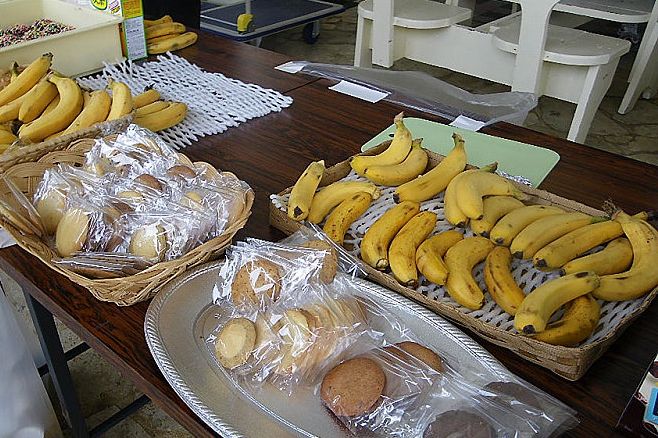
{"x": 568, "y": 362}
{"x": 123, "y": 291}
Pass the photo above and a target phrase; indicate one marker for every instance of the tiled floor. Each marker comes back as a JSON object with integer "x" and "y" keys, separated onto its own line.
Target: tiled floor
{"x": 103, "y": 390}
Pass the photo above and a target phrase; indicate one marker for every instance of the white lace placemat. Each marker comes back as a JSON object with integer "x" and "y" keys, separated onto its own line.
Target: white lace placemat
{"x": 215, "y": 102}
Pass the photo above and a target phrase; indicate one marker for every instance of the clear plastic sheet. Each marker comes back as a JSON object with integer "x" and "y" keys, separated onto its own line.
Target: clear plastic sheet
{"x": 425, "y": 93}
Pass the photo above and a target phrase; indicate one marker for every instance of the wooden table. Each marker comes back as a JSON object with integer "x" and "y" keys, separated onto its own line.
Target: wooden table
{"x": 270, "y": 152}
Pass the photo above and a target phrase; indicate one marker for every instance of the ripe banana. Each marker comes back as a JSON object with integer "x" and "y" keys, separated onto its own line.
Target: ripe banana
{"x": 616, "y": 257}
{"x": 538, "y": 306}
{"x": 345, "y": 214}
{"x": 547, "y": 229}
{"x": 36, "y": 100}
{"x": 162, "y": 29}
{"x": 52, "y": 105}
{"x": 460, "y": 260}
{"x": 473, "y": 187}
{"x": 451, "y": 210}
{"x": 67, "y": 110}
{"x": 303, "y": 191}
{"x": 396, "y": 152}
{"x": 499, "y": 280}
{"x": 122, "y": 100}
{"x": 9, "y": 111}
{"x": 13, "y": 71}
{"x": 330, "y": 196}
{"x": 513, "y": 222}
{"x": 162, "y": 20}
{"x": 7, "y": 137}
{"x": 495, "y": 207}
{"x": 581, "y": 317}
{"x": 151, "y": 108}
{"x": 95, "y": 111}
{"x": 27, "y": 79}
{"x": 149, "y": 95}
{"x": 436, "y": 180}
{"x": 396, "y": 174}
{"x": 375, "y": 243}
{"x": 643, "y": 275}
{"x": 402, "y": 253}
{"x": 176, "y": 42}
{"x": 429, "y": 255}
{"x": 163, "y": 119}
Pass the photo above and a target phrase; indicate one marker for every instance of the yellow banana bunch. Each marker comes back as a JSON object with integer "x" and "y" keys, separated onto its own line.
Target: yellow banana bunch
{"x": 68, "y": 108}
{"x": 345, "y": 214}
{"x": 616, "y": 257}
{"x": 303, "y": 191}
{"x": 148, "y": 96}
{"x": 330, "y": 196}
{"x": 95, "y": 111}
{"x": 172, "y": 115}
{"x": 396, "y": 152}
{"x": 171, "y": 43}
{"x": 507, "y": 228}
{"x": 122, "y": 100}
{"x": 375, "y": 243}
{"x": 474, "y": 186}
{"x": 494, "y": 207}
{"x": 499, "y": 280}
{"x": 163, "y": 29}
{"x": 429, "y": 255}
{"x": 451, "y": 210}
{"x": 161, "y": 20}
{"x": 396, "y": 174}
{"x": 581, "y": 317}
{"x": 36, "y": 100}
{"x": 151, "y": 108}
{"x": 547, "y": 229}
{"x": 460, "y": 259}
{"x": 27, "y": 79}
{"x": 643, "y": 275}
{"x": 402, "y": 253}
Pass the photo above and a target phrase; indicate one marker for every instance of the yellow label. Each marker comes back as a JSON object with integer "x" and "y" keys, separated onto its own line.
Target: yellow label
{"x": 99, "y": 4}
{"x": 132, "y": 8}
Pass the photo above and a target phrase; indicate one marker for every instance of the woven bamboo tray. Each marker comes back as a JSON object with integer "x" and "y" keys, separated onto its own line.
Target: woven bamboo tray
{"x": 568, "y": 362}
{"x": 124, "y": 291}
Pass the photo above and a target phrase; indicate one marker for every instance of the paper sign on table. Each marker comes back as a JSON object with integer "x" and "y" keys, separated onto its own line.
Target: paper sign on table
{"x": 359, "y": 91}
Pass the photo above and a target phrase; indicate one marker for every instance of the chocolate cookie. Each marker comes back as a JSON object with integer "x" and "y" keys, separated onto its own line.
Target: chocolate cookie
{"x": 459, "y": 424}
{"x": 515, "y": 392}
{"x": 353, "y": 387}
{"x": 424, "y": 354}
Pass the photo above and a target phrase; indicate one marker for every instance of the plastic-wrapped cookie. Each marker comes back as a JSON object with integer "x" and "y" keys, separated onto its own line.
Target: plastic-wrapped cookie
{"x": 235, "y": 342}
{"x": 459, "y": 423}
{"x": 72, "y": 232}
{"x": 353, "y": 387}
{"x": 513, "y": 391}
{"x": 149, "y": 241}
{"x": 51, "y": 209}
{"x": 254, "y": 280}
{"x": 404, "y": 349}
{"x": 181, "y": 172}
{"x": 330, "y": 261}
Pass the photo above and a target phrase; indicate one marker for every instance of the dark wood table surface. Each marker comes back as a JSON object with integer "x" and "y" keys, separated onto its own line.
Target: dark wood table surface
{"x": 270, "y": 152}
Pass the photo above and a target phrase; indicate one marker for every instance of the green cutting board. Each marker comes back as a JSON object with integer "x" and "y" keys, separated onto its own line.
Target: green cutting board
{"x": 513, "y": 157}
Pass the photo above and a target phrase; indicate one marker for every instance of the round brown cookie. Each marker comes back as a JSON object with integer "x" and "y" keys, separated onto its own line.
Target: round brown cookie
{"x": 459, "y": 424}
{"x": 254, "y": 279}
{"x": 330, "y": 262}
{"x": 515, "y": 391}
{"x": 353, "y": 387}
{"x": 424, "y": 354}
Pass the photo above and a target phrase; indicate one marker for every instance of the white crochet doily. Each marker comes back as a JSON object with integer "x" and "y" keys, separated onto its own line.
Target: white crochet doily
{"x": 215, "y": 102}
{"x": 526, "y": 275}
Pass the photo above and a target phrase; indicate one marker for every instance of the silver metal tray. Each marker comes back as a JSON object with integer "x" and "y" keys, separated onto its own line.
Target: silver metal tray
{"x": 179, "y": 316}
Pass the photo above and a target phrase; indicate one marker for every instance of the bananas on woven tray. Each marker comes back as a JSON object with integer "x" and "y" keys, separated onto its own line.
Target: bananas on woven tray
{"x": 38, "y": 104}
{"x": 599, "y": 258}
{"x": 165, "y": 35}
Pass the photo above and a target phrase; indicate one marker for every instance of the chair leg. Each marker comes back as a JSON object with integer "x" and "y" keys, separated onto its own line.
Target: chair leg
{"x": 597, "y": 83}
{"x": 643, "y": 73}
{"x": 362, "y": 52}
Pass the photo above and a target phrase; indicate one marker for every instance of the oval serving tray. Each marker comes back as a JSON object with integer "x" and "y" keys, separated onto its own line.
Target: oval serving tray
{"x": 178, "y": 317}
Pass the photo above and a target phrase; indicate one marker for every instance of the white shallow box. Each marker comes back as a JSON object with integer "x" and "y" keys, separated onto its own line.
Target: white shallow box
{"x": 95, "y": 38}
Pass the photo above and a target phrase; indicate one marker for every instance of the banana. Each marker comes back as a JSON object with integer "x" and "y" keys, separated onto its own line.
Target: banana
{"x": 436, "y": 180}
{"x": 513, "y": 222}
{"x": 396, "y": 174}
{"x": 162, "y": 20}
{"x": 429, "y": 255}
{"x": 36, "y": 100}
{"x": 402, "y": 253}
{"x": 95, "y": 111}
{"x": 538, "y": 306}
{"x": 460, "y": 260}
{"x": 375, "y": 243}
{"x": 547, "y": 229}
{"x": 27, "y": 79}
{"x": 581, "y": 317}
{"x": 151, "y": 108}
{"x": 13, "y": 71}
{"x": 67, "y": 110}
{"x": 499, "y": 280}
{"x": 86, "y": 97}
{"x": 616, "y": 257}
{"x": 176, "y": 42}
{"x": 643, "y": 274}
{"x": 451, "y": 210}
{"x": 163, "y": 119}
{"x": 149, "y": 95}
{"x": 396, "y": 152}
{"x": 345, "y": 214}
{"x": 7, "y": 137}
{"x": 122, "y": 100}
{"x": 52, "y": 105}
{"x": 303, "y": 191}
{"x": 9, "y": 111}
{"x": 330, "y": 196}
{"x": 473, "y": 187}
{"x": 160, "y": 38}
{"x": 162, "y": 29}
{"x": 494, "y": 207}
